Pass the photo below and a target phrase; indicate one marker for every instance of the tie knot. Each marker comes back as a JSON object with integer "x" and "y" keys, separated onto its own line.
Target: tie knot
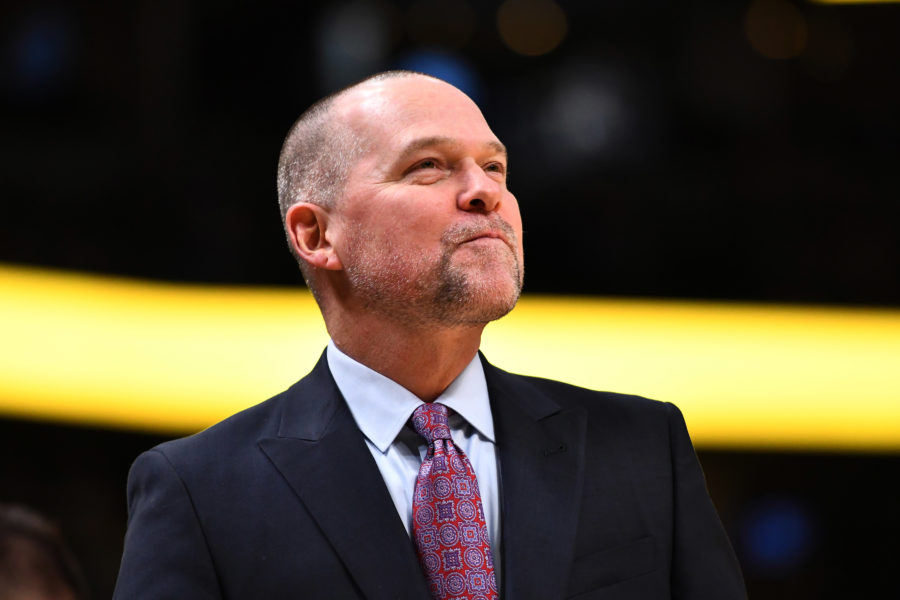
{"x": 430, "y": 421}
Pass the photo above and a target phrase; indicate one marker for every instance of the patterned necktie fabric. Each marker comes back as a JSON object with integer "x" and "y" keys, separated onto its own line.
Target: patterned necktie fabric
{"x": 448, "y": 519}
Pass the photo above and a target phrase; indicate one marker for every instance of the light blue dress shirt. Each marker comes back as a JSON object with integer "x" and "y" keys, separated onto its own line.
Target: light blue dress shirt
{"x": 382, "y": 408}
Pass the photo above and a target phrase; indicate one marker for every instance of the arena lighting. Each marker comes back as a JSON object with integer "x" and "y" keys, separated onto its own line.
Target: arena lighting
{"x": 176, "y": 358}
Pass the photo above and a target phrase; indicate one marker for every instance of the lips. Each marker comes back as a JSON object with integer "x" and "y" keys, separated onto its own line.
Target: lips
{"x": 488, "y": 235}
{"x": 472, "y": 232}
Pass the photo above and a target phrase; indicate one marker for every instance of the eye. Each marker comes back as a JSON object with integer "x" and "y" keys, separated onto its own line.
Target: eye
{"x": 495, "y": 167}
{"x": 428, "y": 163}
{"x": 426, "y": 171}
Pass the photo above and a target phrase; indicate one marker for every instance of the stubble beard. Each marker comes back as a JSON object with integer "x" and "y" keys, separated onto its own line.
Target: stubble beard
{"x": 415, "y": 290}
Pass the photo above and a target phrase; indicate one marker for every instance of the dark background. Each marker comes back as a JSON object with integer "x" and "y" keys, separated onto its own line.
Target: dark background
{"x": 698, "y": 149}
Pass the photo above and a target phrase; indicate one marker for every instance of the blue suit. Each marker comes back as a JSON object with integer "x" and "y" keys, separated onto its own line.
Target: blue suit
{"x": 602, "y": 498}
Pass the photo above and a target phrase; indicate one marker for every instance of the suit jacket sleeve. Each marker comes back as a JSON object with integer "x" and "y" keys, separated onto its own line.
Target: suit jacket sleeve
{"x": 703, "y": 562}
{"x": 166, "y": 554}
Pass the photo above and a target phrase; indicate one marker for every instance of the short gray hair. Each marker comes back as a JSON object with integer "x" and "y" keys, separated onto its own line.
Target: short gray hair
{"x": 314, "y": 159}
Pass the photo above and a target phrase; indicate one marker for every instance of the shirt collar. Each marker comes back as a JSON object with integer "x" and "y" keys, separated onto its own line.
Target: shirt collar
{"x": 381, "y": 406}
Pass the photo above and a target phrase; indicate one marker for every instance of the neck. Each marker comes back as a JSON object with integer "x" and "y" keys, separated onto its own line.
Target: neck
{"x": 423, "y": 359}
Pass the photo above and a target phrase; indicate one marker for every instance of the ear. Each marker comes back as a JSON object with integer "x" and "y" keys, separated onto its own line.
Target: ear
{"x": 307, "y": 229}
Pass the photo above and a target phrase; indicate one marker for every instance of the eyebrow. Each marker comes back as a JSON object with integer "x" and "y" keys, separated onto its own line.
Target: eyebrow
{"x": 440, "y": 140}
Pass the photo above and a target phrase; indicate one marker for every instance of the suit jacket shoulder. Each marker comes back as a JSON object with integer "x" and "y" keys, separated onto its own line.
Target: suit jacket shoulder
{"x": 281, "y": 500}
{"x": 643, "y": 526}
{"x": 304, "y": 410}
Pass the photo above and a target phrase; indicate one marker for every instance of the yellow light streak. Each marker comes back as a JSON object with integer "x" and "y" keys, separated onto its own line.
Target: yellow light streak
{"x": 177, "y": 358}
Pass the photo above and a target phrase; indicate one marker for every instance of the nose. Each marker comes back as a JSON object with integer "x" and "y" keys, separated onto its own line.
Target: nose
{"x": 479, "y": 192}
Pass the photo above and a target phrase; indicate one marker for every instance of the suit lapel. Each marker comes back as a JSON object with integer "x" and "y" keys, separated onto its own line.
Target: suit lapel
{"x": 321, "y": 453}
{"x": 541, "y": 450}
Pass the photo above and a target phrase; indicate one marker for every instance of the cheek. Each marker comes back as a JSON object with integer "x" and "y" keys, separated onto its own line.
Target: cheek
{"x": 415, "y": 232}
{"x": 408, "y": 239}
{"x": 387, "y": 224}
{"x": 510, "y": 213}
{"x": 512, "y": 216}
{"x": 411, "y": 214}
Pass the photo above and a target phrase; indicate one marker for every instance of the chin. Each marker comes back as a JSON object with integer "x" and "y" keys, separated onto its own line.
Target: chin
{"x": 481, "y": 304}
{"x": 476, "y": 291}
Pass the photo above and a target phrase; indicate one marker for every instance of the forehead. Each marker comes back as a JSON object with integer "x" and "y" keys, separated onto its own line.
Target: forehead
{"x": 394, "y": 111}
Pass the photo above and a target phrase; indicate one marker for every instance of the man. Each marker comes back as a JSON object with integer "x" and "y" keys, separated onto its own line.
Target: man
{"x": 395, "y": 202}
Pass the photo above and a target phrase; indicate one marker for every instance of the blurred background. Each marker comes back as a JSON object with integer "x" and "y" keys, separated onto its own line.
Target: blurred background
{"x": 709, "y": 150}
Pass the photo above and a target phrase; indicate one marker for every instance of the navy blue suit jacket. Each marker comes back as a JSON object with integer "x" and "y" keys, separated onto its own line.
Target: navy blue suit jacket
{"x": 602, "y": 498}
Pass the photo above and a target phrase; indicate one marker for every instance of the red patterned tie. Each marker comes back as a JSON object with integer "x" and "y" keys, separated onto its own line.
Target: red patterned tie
{"x": 448, "y": 519}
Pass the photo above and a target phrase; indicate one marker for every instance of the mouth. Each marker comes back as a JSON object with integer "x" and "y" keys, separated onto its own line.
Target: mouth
{"x": 487, "y": 236}
{"x": 485, "y": 233}
{"x": 482, "y": 232}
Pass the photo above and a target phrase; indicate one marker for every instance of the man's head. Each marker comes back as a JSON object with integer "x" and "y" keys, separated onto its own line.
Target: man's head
{"x": 394, "y": 197}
